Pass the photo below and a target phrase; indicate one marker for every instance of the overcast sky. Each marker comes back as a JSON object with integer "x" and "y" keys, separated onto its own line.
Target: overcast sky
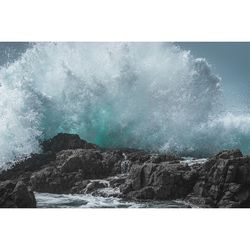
{"x": 231, "y": 61}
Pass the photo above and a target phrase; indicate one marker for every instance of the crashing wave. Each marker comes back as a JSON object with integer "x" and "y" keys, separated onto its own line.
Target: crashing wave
{"x": 152, "y": 96}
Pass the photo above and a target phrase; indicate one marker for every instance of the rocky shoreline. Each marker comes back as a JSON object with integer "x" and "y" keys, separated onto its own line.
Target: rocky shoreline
{"x": 70, "y": 165}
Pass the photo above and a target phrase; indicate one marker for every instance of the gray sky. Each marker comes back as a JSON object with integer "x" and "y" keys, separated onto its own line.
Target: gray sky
{"x": 231, "y": 61}
{"x": 9, "y": 51}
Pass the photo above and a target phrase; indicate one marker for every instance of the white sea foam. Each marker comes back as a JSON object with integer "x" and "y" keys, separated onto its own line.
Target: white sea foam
{"x": 46, "y": 200}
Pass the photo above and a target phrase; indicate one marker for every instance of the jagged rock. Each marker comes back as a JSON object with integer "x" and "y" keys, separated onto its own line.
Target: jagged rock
{"x": 64, "y": 141}
{"x": 24, "y": 168}
{"x": 113, "y": 160}
{"x": 88, "y": 162}
{"x": 70, "y": 167}
{"x": 118, "y": 180}
{"x": 51, "y": 180}
{"x": 227, "y": 154}
{"x": 159, "y": 181}
{"x": 15, "y": 194}
{"x": 143, "y": 194}
{"x": 23, "y": 196}
{"x": 224, "y": 181}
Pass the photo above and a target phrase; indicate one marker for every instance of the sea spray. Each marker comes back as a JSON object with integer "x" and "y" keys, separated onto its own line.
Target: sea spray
{"x": 152, "y": 96}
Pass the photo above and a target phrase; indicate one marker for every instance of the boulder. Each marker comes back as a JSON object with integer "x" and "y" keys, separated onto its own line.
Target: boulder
{"x": 51, "y": 180}
{"x": 23, "y": 196}
{"x": 70, "y": 168}
{"x": 224, "y": 181}
{"x": 162, "y": 181}
{"x": 15, "y": 194}
{"x": 87, "y": 161}
{"x": 24, "y": 168}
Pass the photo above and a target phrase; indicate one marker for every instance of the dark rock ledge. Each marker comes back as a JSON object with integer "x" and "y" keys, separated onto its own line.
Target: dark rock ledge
{"x": 69, "y": 164}
{"x": 15, "y": 194}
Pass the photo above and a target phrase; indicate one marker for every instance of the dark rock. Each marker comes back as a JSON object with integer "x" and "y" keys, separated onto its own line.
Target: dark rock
{"x": 24, "y": 168}
{"x": 159, "y": 181}
{"x": 227, "y": 154}
{"x": 142, "y": 194}
{"x": 113, "y": 159}
{"x": 65, "y": 141}
{"x": 51, "y": 180}
{"x": 88, "y": 161}
{"x": 16, "y": 195}
{"x": 70, "y": 167}
{"x": 224, "y": 180}
{"x": 116, "y": 181}
{"x": 23, "y": 196}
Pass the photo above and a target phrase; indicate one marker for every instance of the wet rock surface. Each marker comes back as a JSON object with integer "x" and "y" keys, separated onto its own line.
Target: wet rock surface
{"x": 15, "y": 194}
{"x": 70, "y": 165}
{"x": 163, "y": 181}
{"x": 224, "y": 181}
{"x": 65, "y": 141}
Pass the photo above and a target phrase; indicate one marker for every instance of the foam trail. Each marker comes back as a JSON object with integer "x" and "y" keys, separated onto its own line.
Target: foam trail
{"x": 146, "y": 95}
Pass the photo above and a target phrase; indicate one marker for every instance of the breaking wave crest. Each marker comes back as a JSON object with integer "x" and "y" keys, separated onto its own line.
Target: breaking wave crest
{"x": 152, "y": 96}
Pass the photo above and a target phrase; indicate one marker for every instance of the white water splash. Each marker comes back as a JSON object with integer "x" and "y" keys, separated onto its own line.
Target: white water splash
{"x": 144, "y": 95}
{"x": 45, "y": 200}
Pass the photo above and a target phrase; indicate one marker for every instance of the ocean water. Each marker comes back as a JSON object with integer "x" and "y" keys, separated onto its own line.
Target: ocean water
{"x": 152, "y": 96}
{"x": 46, "y": 200}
